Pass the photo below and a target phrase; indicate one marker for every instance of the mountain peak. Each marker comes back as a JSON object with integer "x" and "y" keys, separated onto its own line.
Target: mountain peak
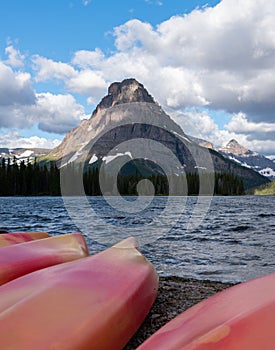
{"x": 233, "y": 141}
{"x": 234, "y": 147}
{"x": 245, "y": 157}
{"x": 127, "y": 91}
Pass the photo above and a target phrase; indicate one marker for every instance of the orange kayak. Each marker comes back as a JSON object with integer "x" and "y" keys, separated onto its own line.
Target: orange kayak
{"x": 20, "y": 237}
{"x": 20, "y": 259}
{"x": 96, "y": 302}
{"x": 239, "y": 318}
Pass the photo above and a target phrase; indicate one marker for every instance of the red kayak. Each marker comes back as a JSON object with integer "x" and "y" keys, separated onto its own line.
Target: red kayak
{"x": 20, "y": 237}
{"x": 20, "y": 259}
{"x": 239, "y": 318}
{"x": 96, "y": 302}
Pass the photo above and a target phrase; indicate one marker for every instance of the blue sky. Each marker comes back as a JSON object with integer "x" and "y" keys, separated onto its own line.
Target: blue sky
{"x": 57, "y": 29}
{"x": 209, "y": 64}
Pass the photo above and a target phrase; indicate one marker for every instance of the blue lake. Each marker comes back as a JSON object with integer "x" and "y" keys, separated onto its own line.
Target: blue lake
{"x": 219, "y": 238}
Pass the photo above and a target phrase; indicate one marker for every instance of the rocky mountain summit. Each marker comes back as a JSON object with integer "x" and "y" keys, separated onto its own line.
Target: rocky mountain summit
{"x": 235, "y": 148}
{"x": 128, "y": 91}
{"x": 127, "y": 103}
{"x": 247, "y": 158}
{"x": 128, "y": 126}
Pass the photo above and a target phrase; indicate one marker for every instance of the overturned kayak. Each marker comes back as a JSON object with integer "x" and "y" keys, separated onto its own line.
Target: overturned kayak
{"x": 93, "y": 303}
{"x": 20, "y": 237}
{"x": 20, "y": 259}
{"x": 239, "y": 318}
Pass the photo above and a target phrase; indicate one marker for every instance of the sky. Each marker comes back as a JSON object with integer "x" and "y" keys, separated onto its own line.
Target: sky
{"x": 209, "y": 64}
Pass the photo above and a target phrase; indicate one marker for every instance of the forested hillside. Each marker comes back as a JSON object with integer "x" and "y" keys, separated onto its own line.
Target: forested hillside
{"x": 31, "y": 179}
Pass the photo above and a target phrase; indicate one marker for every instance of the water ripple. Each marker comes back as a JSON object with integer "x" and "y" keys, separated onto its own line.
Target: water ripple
{"x": 235, "y": 241}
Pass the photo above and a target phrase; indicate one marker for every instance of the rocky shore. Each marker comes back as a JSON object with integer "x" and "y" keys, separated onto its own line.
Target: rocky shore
{"x": 175, "y": 295}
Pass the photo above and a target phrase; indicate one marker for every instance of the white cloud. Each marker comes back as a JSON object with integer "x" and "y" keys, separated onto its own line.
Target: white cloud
{"x": 15, "y": 58}
{"x": 220, "y": 57}
{"x": 86, "y": 2}
{"x": 14, "y": 140}
{"x": 87, "y": 82}
{"x": 15, "y": 88}
{"x": 88, "y": 59}
{"x": 240, "y": 124}
{"x": 223, "y": 57}
{"x": 158, "y": 3}
{"x": 48, "y": 69}
{"x": 57, "y": 113}
{"x": 22, "y": 107}
{"x": 200, "y": 124}
{"x": 53, "y": 113}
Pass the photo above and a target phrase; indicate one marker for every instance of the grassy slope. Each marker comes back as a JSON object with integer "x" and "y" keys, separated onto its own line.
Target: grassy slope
{"x": 266, "y": 190}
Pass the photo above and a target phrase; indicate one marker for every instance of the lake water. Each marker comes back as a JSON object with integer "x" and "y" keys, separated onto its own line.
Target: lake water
{"x": 219, "y": 238}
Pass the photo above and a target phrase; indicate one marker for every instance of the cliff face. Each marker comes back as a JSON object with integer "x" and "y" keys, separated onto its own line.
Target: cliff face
{"x": 128, "y": 124}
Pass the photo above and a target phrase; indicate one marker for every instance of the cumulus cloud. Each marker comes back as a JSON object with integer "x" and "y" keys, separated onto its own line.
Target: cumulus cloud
{"x": 84, "y": 81}
{"x": 239, "y": 124}
{"x": 88, "y": 59}
{"x": 57, "y": 113}
{"x": 14, "y": 140}
{"x": 15, "y": 87}
{"x": 22, "y": 107}
{"x": 48, "y": 69}
{"x": 221, "y": 57}
{"x": 200, "y": 124}
{"x": 15, "y": 58}
{"x": 53, "y": 113}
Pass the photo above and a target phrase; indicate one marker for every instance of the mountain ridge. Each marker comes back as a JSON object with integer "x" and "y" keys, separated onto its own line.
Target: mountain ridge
{"x": 129, "y": 113}
{"x": 247, "y": 158}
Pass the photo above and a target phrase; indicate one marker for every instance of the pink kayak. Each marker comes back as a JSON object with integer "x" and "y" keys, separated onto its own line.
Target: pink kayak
{"x": 20, "y": 259}
{"x": 20, "y": 237}
{"x": 239, "y": 318}
{"x": 93, "y": 303}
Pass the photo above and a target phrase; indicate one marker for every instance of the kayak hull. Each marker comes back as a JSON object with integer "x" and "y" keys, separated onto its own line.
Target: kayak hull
{"x": 239, "y": 318}
{"x": 20, "y": 259}
{"x": 7, "y": 239}
{"x": 93, "y": 303}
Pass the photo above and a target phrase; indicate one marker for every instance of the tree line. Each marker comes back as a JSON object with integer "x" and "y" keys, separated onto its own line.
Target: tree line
{"x": 28, "y": 179}
{"x": 34, "y": 179}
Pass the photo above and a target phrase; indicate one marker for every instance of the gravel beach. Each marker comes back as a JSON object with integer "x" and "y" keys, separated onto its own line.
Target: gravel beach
{"x": 174, "y": 296}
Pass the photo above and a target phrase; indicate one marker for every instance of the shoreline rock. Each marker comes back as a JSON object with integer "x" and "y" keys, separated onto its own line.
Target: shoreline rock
{"x": 174, "y": 296}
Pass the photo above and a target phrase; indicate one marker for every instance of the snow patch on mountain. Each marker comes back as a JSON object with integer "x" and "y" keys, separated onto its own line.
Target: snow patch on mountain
{"x": 249, "y": 159}
{"x": 267, "y": 172}
{"x": 108, "y": 159}
{"x": 181, "y": 136}
{"x": 93, "y": 159}
{"x": 27, "y": 153}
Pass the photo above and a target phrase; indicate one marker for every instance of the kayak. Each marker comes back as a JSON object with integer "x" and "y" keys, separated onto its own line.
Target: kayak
{"x": 97, "y": 302}
{"x": 20, "y": 259}
{"x": 239, "y": 318}
{"x": 20, "y": 237}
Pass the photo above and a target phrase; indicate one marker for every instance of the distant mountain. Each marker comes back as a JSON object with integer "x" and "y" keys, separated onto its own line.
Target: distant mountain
{"x": 26, "y": 154}
{"x": 247, "y": 158}
{"x": 128, "y": 127}
{"x": 271, "y": 158}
